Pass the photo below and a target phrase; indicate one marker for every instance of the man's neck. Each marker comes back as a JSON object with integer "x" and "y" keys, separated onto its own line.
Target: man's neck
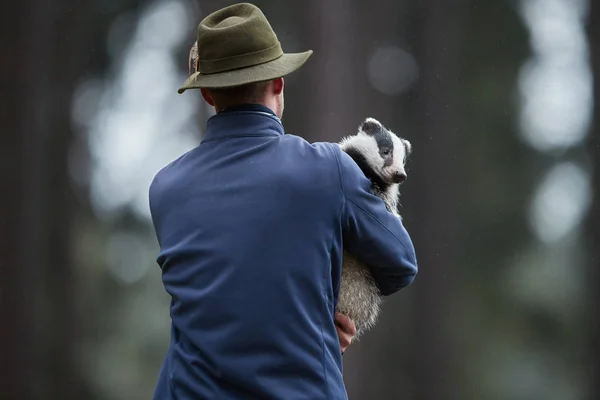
{"x": 247, "y": 106}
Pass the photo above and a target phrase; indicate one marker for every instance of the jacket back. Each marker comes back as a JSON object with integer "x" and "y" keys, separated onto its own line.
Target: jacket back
{"x": 251, "y": 225}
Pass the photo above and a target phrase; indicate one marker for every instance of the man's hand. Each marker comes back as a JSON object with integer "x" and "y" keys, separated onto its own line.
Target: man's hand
{"x": 345, "y": 330}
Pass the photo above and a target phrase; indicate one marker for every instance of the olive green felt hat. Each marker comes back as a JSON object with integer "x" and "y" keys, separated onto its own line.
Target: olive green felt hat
{"x": 237, "y": 45}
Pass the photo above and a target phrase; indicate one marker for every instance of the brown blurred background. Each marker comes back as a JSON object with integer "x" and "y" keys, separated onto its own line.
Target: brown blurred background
{"x": 497, "y": 98}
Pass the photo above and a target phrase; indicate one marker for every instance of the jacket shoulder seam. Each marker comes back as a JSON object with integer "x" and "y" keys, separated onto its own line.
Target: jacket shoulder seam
{"x": 382, "y": 225}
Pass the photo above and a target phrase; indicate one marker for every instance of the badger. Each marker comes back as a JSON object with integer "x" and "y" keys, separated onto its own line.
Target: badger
{"x": 381, "y": 155}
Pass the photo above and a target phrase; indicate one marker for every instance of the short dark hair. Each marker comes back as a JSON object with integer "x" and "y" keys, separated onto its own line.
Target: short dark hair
{"x": 248, "y": 93}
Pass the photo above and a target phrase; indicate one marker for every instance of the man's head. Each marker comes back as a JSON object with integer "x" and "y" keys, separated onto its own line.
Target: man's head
{"x": 268, "y": 93}
{"x": 238, "y": 59}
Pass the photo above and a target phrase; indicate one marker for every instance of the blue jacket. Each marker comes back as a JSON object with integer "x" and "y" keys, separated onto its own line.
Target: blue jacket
{"x": 251, "y": 225}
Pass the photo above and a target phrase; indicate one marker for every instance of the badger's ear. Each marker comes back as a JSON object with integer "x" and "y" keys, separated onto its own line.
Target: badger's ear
{"x": 407, "y": 146}
{"x": 370, "y": 126}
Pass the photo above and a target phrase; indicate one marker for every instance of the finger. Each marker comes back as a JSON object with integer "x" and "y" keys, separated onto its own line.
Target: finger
{"x": 345, "y": 323}
{"x": 344, "y": 338}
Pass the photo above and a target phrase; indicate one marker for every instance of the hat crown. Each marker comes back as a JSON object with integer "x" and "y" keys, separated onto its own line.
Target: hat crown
{"x": 235, "y": 37}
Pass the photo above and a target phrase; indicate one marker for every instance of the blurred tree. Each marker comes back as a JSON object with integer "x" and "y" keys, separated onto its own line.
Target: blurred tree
{"x": 37, "y": 307}
{"x": 436, "y": 169}
{"x": 593, "y": 222}
{"x": 475, "y": 177}
{"x": 464, "y": 223}
{"x": 332, "y": 76}
{"x": 51, "y": 46}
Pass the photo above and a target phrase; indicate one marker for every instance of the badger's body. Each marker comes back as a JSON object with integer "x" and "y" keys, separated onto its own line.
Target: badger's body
{"x": 381, "y": 155}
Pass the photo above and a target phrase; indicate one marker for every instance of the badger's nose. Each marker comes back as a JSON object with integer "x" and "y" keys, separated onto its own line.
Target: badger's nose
{"x": 399, "y": 177}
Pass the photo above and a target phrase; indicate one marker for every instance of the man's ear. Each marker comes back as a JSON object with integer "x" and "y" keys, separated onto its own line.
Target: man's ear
{"x": 278, "y": 86}
{"x": 207, "y": 97}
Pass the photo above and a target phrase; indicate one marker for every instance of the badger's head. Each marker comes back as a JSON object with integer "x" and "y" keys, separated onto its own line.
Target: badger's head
{"x": 378, "y": 152}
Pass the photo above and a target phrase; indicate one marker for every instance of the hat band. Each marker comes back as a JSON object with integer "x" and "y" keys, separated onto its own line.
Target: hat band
{"x": 206, "y": 67}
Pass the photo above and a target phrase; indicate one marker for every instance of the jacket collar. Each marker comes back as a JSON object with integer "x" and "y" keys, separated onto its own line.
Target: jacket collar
{"x": 243, "y": 121}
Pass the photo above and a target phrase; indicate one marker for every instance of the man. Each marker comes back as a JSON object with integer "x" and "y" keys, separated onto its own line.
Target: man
{"x": 251, "y": 225}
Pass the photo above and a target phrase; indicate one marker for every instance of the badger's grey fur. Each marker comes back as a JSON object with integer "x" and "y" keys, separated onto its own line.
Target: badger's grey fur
{"x": 381, "y": 155}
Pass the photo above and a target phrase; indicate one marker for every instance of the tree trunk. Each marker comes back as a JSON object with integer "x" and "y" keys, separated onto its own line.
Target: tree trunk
{"x": 593, "y": 221}
{"x": 16, "y": 297}
{"x": 46, "y": 48}
{"x": 434, "y": 172}
{"x": 330, "y": 108}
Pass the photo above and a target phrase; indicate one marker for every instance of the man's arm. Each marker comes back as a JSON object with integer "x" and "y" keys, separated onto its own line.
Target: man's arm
{"x": 372, "y": 234}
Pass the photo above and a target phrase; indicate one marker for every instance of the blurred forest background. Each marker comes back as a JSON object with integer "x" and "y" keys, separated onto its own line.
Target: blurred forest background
{"x": 497, "y": 98}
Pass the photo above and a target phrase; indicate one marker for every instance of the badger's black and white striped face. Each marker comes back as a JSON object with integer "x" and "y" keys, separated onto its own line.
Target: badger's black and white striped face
{"x": 378, "y": 152}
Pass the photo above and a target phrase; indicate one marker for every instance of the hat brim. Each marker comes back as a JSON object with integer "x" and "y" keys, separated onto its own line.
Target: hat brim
{"x": 282, "y": 66}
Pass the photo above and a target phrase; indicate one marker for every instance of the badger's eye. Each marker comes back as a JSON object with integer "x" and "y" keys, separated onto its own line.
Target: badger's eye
{"x": 386, "y": 152}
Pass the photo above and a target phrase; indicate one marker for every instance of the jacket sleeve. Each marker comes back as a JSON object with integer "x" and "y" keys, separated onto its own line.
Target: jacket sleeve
{"x": 371, "y": 233}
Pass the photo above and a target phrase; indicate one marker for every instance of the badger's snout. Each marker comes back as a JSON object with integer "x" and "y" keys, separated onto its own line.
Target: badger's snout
{"x": 399, "y": 177}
